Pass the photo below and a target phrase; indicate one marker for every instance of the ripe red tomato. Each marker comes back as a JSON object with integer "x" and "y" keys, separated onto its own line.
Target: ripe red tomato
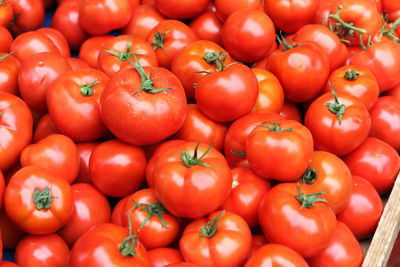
{"x": 160, "y": 257}
{"x": 44, "y": 128}
{"x": 2, "y": 187}
{"x": 9, "y": 66}
{"x": 285, "y": 216}
{"x": 203, "y": 238}
{"x": 41, "y": 251}
{"x": 44, "y": 200}
{"x": 224, "y": 8}
{"x": 8, "y": 264}
{"x": 5, "y": 40}
{"x": 291, "y": 112}
{"x": 277, "y": 255}
{"x": 6, "y": 13}
{"x": 392, "y": 9}
{"x": 76, "y": 63}
{"x": 322, "y": 14}
{"x": 207, "y": 26}
{"x": 90, "y": 49}
{"x": 176, "y": 9}
{"x": 58, "y": 40}
{"x": 85, "y": 150}
{"x": 116, "y": 215}
{"x": 31, "y": 15}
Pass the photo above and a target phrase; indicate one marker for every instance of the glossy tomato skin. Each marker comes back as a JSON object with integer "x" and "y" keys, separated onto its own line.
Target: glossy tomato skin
{"x": 232, "y": 233}
{"x": 160, "y": 257}
{"x": 344, "y": 136}
{"x": 5, "y": 40}
{"x": 208, "y": 26}
{"x": 15, "y": 129}
{"x": 257, "y": 241}
{"x": 106, "y": 238}
{"x": 177, "y": 185}
{"x": 322, "y": 14}
{"x": 91, "y": 47}
{"x": 41, "y": 251}
{"x": 44, "y": 128}
{"x": 244, "y": 43}
{"x": 55, "y": 152}
{"x": 76, "y": 63}
{"x": 31, "y": 15}
{"x": 283, "y": 221}
{"x": 343, "y": 250}
{"x": 177, "y": 9}
{"x": 9, "y": 66}
{"x": 28, "y": 217}
{"x": 143, "y": 118}
{"x": 392, "y": 9}
{"x": 128, "y": 174}
{"x": 290, "y": 111}
{"x": 85, "y": 150}
{"x": 2, "y": 187}
{"x": 269, "y": 149}
{"x": 58, "y": 40}
{"x": 6, "y": 13}
{"x": 375, "y": 161}
{"x": 364, "y": 209}
{"x": 277, "y": 255}
{"x": 224, "y": 8}
{"x": 116, "y": 215}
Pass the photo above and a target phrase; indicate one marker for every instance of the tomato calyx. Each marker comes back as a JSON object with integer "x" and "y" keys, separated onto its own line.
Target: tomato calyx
{"x": 127, "y": 246}
{"x": 336, "y": 108}
{"x": 274, "y": 128}
{"x": 210, "y": 229}
{"x": 159, "y": 40}
{"x": 3, "y": 57}
{"x": 42, "y": 199}
{"x": 238, "y": 153}
{"x": 351, "y": 75}
{"x": 192, "y": 161}
{"x": 284, "y": 43}
{"x": 310, "y": 175}
{"x": 309, "y": 200}
{"x": 87, "y": 89}
{"x": 124, "y": 55}
{"x": 390, "y": 33}
{"x": 217, "y": 59}
{"x": 156, "y": 209}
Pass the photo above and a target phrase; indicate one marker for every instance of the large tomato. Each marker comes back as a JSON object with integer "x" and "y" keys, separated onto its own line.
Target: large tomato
{"x": 91, "y": 48}
{"x": 177, "y": 9}
{"x": 392, "y": 9}
{"x": 30, "y": 15}
{"x": 224, "y": 8}
{"x": 207, "y": 26}
{"x": 9, "y": 66}
{"x": 160, "y": 257}
{"x": 277, "y": 255}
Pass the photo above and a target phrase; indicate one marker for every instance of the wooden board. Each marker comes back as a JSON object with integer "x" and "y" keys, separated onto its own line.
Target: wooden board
{"x": 387, "y": 231}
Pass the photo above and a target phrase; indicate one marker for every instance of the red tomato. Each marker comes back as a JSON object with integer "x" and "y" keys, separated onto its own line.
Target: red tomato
{"x": 76, "y": 63}
{"x": 31, "y": 15}
{"x": 272, "y": 144}
{"x": 285, "y": 217}
{"x": 90, "y": 208}
{"x": 183, "y": 264}
{"x": 244, "y": 43}
{"x": 9, "y": 66}
{"x": 168, "y": 38}
{"x": 180, "y": 170}
{"x": 392, "y": 9}
{"x": 176, "y": 9}
{"x": 160, "y": 257}
{"x": 85, "y": 150}
{"x": 15, "y": 129}
{"x": 338, "y": 123}
{"x": 55, "y": 152}
{"x": 118, "y": 248}
{"x": 262, "y": 63}
{"x": 43, "y": 198}
{"x": 248, "y": 189}
{"x": 207, "y": 26}
{"x": 8, "y": 264}
{"x": 10, "y": 233}
{"x": 395, "y": 92}
{"x": 375, "y": 161}
{"x": 257, "y": 241}
{"x": 36, "y": 74}
{"x": 44, "y": 128}
{"x": 143, "y": 19}
{"x": 291, "y": 112}
{"x": 322, "y": 14}
{"x": 289, "y": 16}
{"x": 143, "y": 109}
{"x": 5, "y": 40}
{"x": 98, "y": 17}
{"x": 276, "y": 255}
{"x": 125, "y": 163}
{"x": 343, "y": 250}
{"x": 224, "y": 8}
{"x": 42, "y": 251}
{"x": 364, "y": 209}
{"x": 203, "y": 238}
{"x": 116, "y": 215}
{"x": 6, "y": 13}
{"x": 90, "y": 49}
{"x": 58, "y": 40}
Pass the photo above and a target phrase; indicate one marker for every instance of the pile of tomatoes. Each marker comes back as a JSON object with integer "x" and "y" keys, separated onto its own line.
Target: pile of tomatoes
{"x": 206, "y": 133}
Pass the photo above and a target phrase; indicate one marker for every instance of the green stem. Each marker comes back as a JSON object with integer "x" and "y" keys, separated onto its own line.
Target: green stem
{"x": 391, "y": 32}
{"x": 238, "y": 153}
{"x": 351, "y": 75}
{"x": 124, "y": 55}
{"x": 211, "y": 228}
{"x": 310, "y": 175}
{"x": 42, "y": 199}
{"x": 274, "y": 128}
{"x": 3, "y": 57}
{"x": 284, "y": 43}
{"x": 159, "y": 41}
{"x": 127, "y": 246}
{"x": 156, "y": 209}
{"x": 336, "y": 108}
{"x": 87, "y": 89}
{"x": 308, "y": 201}
{"x": 192, "y": 161}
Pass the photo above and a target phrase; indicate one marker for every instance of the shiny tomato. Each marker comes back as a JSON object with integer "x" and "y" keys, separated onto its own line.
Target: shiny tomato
{"x": 207, "y": 26}
{"x": 90, "y": 49}
{"x": 9, "y": 66}
{"x": 5, "y": 40}
{"x": 203, "y": 238}
{"x": 322, "y": 14}
{"x": 180, "y": 170}
{"x": 42, "y": 251}
{"x": 290, "y": 111}
{"x": 76, "y": 63}
{"x": 176, "y": 9}
{"x": 15, "y": 129}
{"x": 375, "y": 161}
{"x": 10, "y": 233}
{"x": 161, "y": 257}
{"x": 277, "y": 255}
{"x": 224, "y": 8}
{"x": 8, "y": 264}
{"x": 392, "y": 9}
{"x": 44, "y": 128}
{"x": 286, "y": 214}
{"x": 43, "y": 198}
{"x": 257, "y": 241}
{"x": 30, "y": 15}
{"x": 85, "y": 150}
{"x": 182, "y": 264}
{"x": 58, "y": 40}
{"x": 6, "y": 13}
{"x": 55, "y": 152}
{"x": 395, "y": 92}
{"x": 116, "y": 215}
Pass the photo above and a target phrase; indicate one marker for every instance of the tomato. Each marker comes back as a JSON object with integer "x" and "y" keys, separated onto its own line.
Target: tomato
{"x": 375, "y": 161}
{"x": 58, "y": 40}
{"x": 322, "y": 14}
{"x": 207, "y": 26}
{"x": 116, "y": 215}
{"x": 42, "y": 251}
{"x": 5, "y": 40}
{"x": 244, "y": 43}
{"x": 118, "y": 52}
{"x": 76, "y": 63}
{"x": 395, "y": 92}
{"x": 9, "y": 67}
{"x": 276, "y": 255}
{"x": 272, "y": 144}
{"x": 44, "y": 128}
{"x": 228, "y": 94}
{"x": 15, "y": 129}
{"x": 85, "y": 150}
{"x": 118, "y": 248}
{"x": 143, "y": 19}
{"x": 291, "y": 112}
{"x": 180, "y": 170}
{"x": 8, "y": 264}
{"x": 224, "y": 8}
{"x": 357, "y": 81}
{"x": 295, "y": 67}
{"x": 195, "y": 61}
{"x": 168, "y": 38}
{"x": 289, "y": 16}
{"x": 176, "y": 9}
{"x": 203, "y": 238}
{"x": 66, "y": 20}
{"x": 36, "y": 74}
{"x": 248, "y": 189}
{"x": 10, "y": 233}
{"x": 31, "y": 15}
{"x": 160, "y": 257}
{"x": 285, "y": 217}
{"x": 261, "y": 64}
{"x": 91, "y": 47}
{"x": 125, "y": 163}
{"x": 183, "y": 264}
{"x": 149, "y": 218}
{"x": 43, "y": 198}
{"x": 343, "y": 250}
{"x": 392, "y": 9}
{"x": 143, "y": 109}
{"x": 364, "y": 209}
{"x": 6, "y": 13}
{"x": 378, "y": 59}
{"x": 338, "y": 123}
{"x": 55, "y": 152}
{"x": 257, "y": 241}
{"x": 90, "y": 208}
{"x": 2, "y": 187}
{"x": 98, "y": 17}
